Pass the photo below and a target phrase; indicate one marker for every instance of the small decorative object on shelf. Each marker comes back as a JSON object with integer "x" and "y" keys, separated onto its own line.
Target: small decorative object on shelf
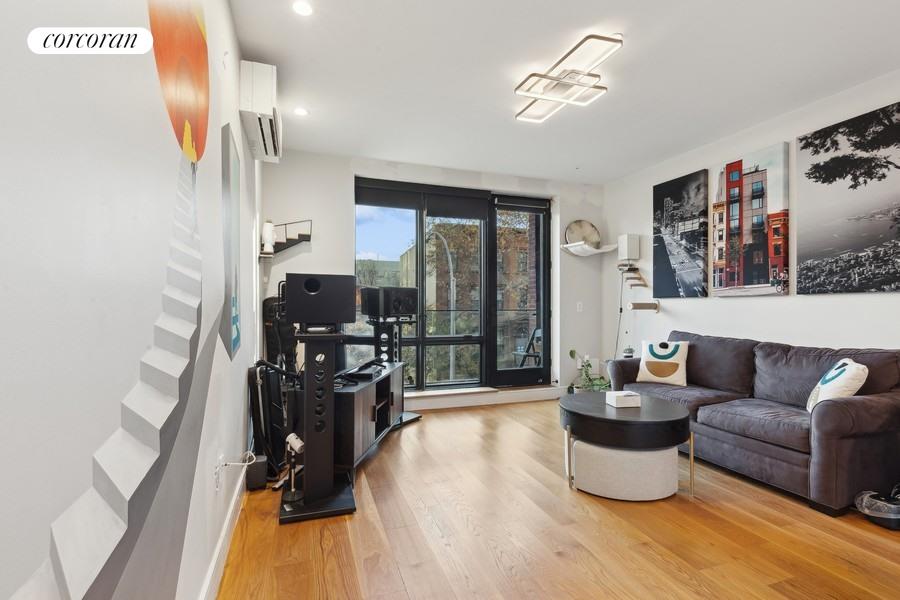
{"x": 628, "y": 352}
{"x": 587, "y": 382}
{"x": 281, "y": 236}
{"x": 268, "y": 239}
{"x": 623, "y": 399}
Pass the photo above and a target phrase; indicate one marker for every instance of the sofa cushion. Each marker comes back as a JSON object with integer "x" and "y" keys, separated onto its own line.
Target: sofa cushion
{"x": 844, "y": 379}
{"x": 719, "y": 363}
{"x": 772, "y": 422}
{"x": 789, "y": 373}
{"x": 692, "y": 397}
{"x": 663, "y": 362}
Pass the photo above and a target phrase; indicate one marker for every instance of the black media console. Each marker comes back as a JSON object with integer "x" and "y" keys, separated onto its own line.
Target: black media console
{"x": 364, "y": 413}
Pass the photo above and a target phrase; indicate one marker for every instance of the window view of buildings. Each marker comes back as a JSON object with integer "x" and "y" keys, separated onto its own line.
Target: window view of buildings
{"x": 519, "y": 338}
{"x": 452, "y": 331}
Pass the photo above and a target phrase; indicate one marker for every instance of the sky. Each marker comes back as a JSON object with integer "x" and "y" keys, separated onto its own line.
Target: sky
{"x": 822, "y": 210}
{"x": 384, "y": 233}
{"x": 774, "y": 160}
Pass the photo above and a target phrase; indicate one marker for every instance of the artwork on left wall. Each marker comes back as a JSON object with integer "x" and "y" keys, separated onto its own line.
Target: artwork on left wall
{"x": 179, "y": 47}
{"x": 680, "y": 232}
{"x": 750, "y": 225}
{"x": 230, "y": 324}
{"x": 848, "y": 205}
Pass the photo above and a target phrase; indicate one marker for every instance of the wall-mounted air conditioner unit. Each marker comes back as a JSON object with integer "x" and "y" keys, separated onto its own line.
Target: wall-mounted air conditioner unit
{"x": 259, "y": 111}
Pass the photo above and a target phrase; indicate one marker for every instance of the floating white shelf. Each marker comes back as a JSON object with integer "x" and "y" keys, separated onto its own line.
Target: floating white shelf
{"x": 585, "y": 249}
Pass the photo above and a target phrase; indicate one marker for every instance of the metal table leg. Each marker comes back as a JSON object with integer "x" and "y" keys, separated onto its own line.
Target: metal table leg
{"x": 570, "y": 476}
{"x": 691, "y": 458}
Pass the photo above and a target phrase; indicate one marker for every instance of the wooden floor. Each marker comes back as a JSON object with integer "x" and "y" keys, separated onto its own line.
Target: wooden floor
{"x": 472, "y": 503}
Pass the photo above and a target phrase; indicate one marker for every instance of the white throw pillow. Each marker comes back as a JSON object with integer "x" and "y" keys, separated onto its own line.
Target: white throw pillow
{"x": 842, "y": 381}
{"x": 663, "y": 362}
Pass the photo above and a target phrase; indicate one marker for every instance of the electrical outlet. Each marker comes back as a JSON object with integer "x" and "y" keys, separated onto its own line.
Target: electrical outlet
{"x": 579, "y": 306}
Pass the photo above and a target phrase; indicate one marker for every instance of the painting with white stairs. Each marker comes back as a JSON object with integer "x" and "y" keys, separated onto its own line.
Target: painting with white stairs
{"x": 86, "y": 536}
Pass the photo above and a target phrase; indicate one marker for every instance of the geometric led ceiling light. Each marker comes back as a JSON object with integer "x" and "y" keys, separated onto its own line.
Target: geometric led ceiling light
{"x": 571, "y": 80}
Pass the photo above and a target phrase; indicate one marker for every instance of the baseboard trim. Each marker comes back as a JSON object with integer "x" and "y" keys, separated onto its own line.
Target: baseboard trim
{"x": 494, "y": 396}
{"x": 213, "y": 578}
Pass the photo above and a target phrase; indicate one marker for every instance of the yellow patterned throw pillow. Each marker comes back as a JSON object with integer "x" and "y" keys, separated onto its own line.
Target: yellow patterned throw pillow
{"x": 843, "y": 380}
{"x": 663, "y": 362}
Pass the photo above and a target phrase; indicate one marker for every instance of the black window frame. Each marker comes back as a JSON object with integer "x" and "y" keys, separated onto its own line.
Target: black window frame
{"x": 443, "y": 201}
{"x": 529, "y": 376}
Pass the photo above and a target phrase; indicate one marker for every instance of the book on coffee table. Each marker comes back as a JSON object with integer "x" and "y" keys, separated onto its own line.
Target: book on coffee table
{"x": 623, "y": 399}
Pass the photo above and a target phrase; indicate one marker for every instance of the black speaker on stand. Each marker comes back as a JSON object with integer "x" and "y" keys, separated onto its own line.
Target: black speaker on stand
{"x": 319, "y": 304}
{"x": 389, "y": 309}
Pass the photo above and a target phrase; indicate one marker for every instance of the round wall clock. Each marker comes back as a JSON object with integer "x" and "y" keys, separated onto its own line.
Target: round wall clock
{"x": 582, "y": 231}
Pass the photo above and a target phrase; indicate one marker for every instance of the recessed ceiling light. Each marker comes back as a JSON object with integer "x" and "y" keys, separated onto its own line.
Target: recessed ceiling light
{"x": 303, "y": 8}
{"x": 300, "y": 111}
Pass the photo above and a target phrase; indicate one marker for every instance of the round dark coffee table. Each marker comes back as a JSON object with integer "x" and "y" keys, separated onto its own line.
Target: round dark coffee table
{"x": 624, "y": 453}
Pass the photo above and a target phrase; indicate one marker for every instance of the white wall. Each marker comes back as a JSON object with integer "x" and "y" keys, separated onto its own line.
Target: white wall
{"x": 321, "y": 187}
{"x": 224, "y": 427}
{"x": 85, "y": 216}
{"x": 88, "y": 174}
{"x": 823, "y": 320}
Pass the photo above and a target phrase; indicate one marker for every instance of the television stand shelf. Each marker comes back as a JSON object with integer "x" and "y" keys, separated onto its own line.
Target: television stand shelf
{"x": 365, "y": 412}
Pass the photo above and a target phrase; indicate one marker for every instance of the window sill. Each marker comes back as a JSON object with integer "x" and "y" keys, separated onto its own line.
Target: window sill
{"x": 480, "y": 396}
{"x": 449, "y": 392}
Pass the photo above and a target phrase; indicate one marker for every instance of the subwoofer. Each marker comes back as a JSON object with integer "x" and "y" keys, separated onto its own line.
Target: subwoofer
{"x": 320, "y": 299}
{"x": 389, "y": 302}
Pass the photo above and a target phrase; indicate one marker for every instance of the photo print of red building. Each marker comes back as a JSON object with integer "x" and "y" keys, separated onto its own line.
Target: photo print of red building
{"x": 750, "y": 225}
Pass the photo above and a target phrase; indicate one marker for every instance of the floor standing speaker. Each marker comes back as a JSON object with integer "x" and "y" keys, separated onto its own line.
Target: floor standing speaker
{"x": 325, "y": 493}
{"x": 318, "y": 410}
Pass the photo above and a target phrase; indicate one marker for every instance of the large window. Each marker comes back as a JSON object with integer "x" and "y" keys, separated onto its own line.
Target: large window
{"x": 386, "y": 252}
{"x": 481, "y": 270}
{"x": 453, "y": 257}
{"x": 517, "y": 318}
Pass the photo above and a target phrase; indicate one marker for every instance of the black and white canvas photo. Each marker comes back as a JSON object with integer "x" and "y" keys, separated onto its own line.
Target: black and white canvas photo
{"x": 680, "y": 228}
{"x": 848, "y": 236}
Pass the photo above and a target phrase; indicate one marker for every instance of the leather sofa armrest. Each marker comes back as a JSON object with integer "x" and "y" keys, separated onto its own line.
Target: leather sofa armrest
{"x": 857, "y": 415}
{"x": 622, "y": 371}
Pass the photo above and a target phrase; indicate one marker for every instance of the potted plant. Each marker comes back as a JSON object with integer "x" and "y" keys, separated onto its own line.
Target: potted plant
{"x": 587, "y": 381}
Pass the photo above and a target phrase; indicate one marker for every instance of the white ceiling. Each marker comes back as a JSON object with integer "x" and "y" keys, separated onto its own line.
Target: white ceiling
{"x": 431, "y": 81}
